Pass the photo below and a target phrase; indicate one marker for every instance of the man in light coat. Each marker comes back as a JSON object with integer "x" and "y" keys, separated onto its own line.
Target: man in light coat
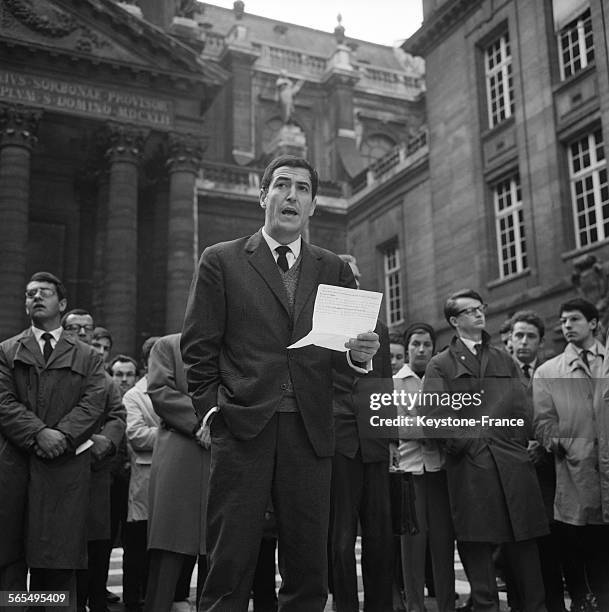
{"x": 142, "y": 428}
{"x": 571, "y": 422}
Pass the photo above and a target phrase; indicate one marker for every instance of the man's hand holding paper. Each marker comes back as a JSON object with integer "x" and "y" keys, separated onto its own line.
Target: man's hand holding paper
{"x": 342, "y": 319}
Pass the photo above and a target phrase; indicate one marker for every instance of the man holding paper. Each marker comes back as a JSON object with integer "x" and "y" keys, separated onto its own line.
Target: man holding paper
{"x": 269, "y": 409}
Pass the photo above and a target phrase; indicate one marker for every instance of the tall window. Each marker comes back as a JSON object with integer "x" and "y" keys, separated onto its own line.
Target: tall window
{"x": 393, "y": 285}
{"x": 575, "y": 45}
{"x": 589, "y": 188}
{"x": 509, "y": 219}
{"x": 499, "y": 80}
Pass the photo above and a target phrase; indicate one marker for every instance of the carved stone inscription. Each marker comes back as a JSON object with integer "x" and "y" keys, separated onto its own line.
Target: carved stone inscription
{"x": 78, "y": 98}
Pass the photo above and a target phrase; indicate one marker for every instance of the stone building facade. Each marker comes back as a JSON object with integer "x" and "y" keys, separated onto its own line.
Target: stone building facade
{"x": 132, "y": 136}
{"x": 512, "y": 189}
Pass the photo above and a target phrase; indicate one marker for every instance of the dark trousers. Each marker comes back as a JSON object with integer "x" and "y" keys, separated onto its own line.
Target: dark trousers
{"x": 281, "y": 463}
{"x": 523, "y": 557}
{"x": 169, "y": 578}
{"x": 135, "y": 562}
{"x": 360, "y": 492}
{"x": 585, "y": 554}
{"x": 551, "y": 569}
{"x": 91, "y": 583}
{"x": 54, "y": 580}
{"x": 436, "y": 530}
{"x": 13, "y": 577}
{"x": 263, "y": 588}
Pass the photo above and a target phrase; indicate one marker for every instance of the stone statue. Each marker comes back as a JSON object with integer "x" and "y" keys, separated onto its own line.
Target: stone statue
{"x": 286, "y": 91}
{"x": 590, "y": 279}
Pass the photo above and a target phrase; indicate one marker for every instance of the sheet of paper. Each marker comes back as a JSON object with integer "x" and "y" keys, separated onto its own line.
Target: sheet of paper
{"x": 83, "y": 447}
{"x": 340, "y": 314}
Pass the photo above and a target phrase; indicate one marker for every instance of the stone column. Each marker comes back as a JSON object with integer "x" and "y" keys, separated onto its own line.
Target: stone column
{"x": 120, "y": 253}
{"x": 184, "y": 161}
{"x": 99, "y": 245}
{"x": 18, "y": 126}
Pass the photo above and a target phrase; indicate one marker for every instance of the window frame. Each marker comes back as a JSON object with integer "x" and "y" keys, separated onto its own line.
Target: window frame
{"x": 510, "y": 218}
{"x": 500, "y": 75}
{"x": 582, "y": 26}
{"x": 393, "y": 280}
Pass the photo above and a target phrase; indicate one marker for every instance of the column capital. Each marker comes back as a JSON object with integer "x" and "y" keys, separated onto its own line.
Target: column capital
{"x": 18, "y": 125}
{"x": 124, "y": 142}
{"x": 185, "y": 153}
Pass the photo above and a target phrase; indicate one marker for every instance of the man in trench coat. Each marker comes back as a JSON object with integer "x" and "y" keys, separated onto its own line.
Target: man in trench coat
{"x": 51, "y": 400}
{"x": 493, "y": 489}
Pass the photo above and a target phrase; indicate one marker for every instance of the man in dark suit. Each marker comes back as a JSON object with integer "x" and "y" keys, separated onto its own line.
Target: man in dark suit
{"x": 51, "y": 402}
{"x": 271, "y": 433}
{"x": 493, "y": 491}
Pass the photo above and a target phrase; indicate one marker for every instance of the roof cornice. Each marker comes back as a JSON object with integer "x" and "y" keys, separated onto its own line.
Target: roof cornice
{"x": 438, "y": 25}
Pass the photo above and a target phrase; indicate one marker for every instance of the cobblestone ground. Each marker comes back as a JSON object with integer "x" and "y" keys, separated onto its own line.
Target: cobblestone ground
{"x": 461, "y": 584}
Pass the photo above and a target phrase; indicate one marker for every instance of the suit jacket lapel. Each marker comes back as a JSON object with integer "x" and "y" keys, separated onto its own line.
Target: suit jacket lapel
{"x": 63, "y": 346}
{"x": 310, "y": 267}
{"x": 263, "y": 262}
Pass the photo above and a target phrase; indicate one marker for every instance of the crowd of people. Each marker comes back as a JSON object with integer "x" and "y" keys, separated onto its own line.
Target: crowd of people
{"x": 222, "y": 448}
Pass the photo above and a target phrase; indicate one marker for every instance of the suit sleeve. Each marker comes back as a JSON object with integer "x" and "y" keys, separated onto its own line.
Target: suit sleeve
{"x": 172, "y": 405}
{"x": 203, "y": 332}
{"x": 17, "y": 423}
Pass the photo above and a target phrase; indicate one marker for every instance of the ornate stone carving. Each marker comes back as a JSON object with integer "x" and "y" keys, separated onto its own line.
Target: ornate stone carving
{"x": 18, "y": 125}
{"x": 185, "y": 153}
{"x": 46, "y": 20}
{"x": 124, "y": 142}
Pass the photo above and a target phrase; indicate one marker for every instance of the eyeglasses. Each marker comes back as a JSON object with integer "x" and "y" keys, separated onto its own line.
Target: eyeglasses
{"x": 45, "y": 292}
{"x": 73, "y": 327}
{"x": 472, "y": 310}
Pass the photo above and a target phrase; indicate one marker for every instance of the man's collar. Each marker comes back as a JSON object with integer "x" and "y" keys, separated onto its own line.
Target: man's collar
{"x": 56, "y": 333}
{"x": 521, "y": 364}
{"x": 273, "y": 244}
{"x": 573, "y": 352}
{"x": 404, "y": 372}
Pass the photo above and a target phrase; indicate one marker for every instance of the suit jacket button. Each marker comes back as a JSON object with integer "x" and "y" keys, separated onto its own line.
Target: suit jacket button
{"x": 284, "y": 387}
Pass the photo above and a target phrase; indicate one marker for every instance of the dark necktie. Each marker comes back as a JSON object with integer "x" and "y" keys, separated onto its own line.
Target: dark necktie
{"x": 282, "y": 260}
{"x": 478, "y": 351}
{"x": 526, "y": 370}
{"x": 584, "y": 358}
{"x": 47, "y": 349}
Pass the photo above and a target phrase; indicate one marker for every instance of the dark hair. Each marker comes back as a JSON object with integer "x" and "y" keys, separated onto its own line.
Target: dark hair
{"x": 395, "y": 338}
{"x": 80, "y": 312}
{"x": 450, "y": 307}
{"x": 506, "y": 326}
{"x": 291, "y": 161}
{"x": 102, "y": 332}
{"x": 122, "y": 358}
{"x": 47, "y": 277}
{"x": 588, "y": 309}
{"x": 530, "y": 317}
{"x": 147, "y": 347}
{"x": 419, "y": 328}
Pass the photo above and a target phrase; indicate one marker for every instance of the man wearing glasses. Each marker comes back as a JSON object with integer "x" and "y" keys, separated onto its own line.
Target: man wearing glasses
{"x": 493, "y": 490}
{"x": 51, "y": 400}
{"x": 91, "y": 583}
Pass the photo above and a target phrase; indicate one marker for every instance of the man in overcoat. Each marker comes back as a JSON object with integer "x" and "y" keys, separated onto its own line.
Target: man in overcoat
{"x": 271, "y": 428}
{"x": 178, "y": 479}
{"x": 493, "y": 489}
{"x": 91, "y": 583}
{"x": 51, "y": 401}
